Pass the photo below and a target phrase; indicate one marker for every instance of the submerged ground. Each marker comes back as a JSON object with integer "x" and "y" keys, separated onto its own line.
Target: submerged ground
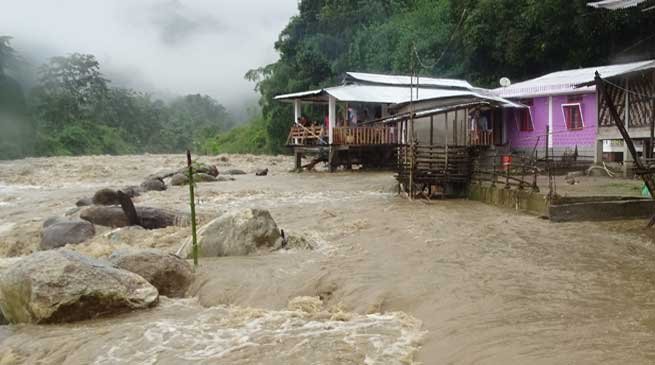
{"x": 393, "y": 281}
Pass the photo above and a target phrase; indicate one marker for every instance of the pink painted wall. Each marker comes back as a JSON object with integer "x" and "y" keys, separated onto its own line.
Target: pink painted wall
{"x": 518, "y": 139}
{"x": 562, "y": 137}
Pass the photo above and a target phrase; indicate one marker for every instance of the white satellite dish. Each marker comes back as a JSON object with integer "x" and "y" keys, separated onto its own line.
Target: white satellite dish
{"x": 505, "y": 82}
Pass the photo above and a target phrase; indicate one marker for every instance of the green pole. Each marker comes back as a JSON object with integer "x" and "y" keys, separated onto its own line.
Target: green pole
{"x": 193, "y": 210}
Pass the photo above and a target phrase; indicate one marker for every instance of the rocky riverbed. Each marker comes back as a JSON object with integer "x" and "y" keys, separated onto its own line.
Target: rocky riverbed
{"x": 367, "y": 277}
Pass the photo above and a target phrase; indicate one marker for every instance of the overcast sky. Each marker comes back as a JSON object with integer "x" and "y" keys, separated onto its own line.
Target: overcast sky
{"x": 172, "y": 46}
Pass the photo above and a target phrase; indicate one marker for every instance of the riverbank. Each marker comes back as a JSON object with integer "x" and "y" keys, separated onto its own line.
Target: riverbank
{"x": 450, "y": 281}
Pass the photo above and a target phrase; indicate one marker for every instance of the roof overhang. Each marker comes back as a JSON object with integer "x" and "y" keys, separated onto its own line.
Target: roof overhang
{"x": 615, "y": 4}
{"x": 619, "y": 74}
{"x": 407, "y": 81}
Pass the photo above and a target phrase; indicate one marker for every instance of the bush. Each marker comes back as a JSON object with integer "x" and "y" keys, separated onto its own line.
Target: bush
{"x": 249, "y": 138}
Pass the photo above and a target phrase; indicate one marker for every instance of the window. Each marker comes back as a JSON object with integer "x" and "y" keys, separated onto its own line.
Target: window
{"x": 524, "y": 117}
{"x": 573, "y": 113}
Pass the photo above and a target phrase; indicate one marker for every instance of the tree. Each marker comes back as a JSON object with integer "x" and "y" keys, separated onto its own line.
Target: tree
{"x": 17, "y": 136}
{"x": 70, "y": 88}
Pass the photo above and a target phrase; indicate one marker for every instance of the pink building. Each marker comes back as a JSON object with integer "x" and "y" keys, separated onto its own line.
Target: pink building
{"x": 563, "y": 114}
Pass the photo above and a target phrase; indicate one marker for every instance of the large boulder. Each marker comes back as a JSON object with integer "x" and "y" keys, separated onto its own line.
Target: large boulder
{"x": 110, "y": 196}
{"x": 237, "y": 233}
{"x": 63, "y": 286}
{"x": 179, "y": 179}
{"x": 151, "y": 218}
{"x": 153, "y": 184}
{"x": 59, "y": 232}
{"x": 170, "y": 274}
{"x": 234, "y": 172}
{"x": 261, "y": 172}
{"x": 106, "y": 197}
{"x": 202, "y": 177}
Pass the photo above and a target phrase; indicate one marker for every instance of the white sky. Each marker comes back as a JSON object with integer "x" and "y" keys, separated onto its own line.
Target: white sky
{"x": 168, "y": 46}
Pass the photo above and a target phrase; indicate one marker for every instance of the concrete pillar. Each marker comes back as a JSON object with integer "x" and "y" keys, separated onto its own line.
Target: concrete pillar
{"x": 598, "y": 153}
{"x": 332, "y": 116}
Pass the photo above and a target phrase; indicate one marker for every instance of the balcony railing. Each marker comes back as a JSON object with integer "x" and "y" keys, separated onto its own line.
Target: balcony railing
{"x": 310, "y": 135}
{"x": 364, "y": 135}
{"x": 480, "y": 137}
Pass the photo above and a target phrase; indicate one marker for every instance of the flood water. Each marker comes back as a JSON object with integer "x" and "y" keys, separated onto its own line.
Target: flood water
{"x": 386, "y": 280}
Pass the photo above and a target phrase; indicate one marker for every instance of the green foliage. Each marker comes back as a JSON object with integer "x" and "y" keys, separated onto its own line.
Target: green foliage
{"x": 249, "y": 138}
{"x": 73, "y": 111}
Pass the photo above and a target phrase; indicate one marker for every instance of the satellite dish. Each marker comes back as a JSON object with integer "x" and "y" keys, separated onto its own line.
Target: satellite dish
{"x": 505, "y": 82}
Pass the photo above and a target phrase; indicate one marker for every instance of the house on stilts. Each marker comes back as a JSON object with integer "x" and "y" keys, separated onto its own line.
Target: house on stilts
{"x": 423, "y": 127}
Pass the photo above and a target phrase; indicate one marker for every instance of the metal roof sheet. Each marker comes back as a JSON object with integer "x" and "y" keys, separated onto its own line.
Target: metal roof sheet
{"x": 569, "y": 80}
{"x": 389, "y": 94}
{"x": 392, "y": 94}
{"x": 400, "y": 80}
{"x": 299, "y": 95}
{"x": 615, "y": 4}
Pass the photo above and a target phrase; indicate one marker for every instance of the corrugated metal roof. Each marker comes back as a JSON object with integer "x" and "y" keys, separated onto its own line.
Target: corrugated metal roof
{"x": 381, "y": 94}
{"x": 615, "y": 4}
{"x": 400, "y": 80}
{"x": 389, "y": 94}
{"x": 568, "y": 81}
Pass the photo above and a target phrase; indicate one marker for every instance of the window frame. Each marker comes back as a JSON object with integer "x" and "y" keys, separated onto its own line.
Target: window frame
{"x": 566, "y": 121}
{"x": 518, "y": 115}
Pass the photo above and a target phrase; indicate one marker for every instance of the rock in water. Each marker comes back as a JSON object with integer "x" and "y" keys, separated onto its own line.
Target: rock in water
{"x": 132, "y": 191}
{"x": 170, "y": 274}
{"x": 235, "y": 172}
{"x": 238, "y": 234}
{"x": 206, "y": 169}
{"x": 106, "y": 197}
{"x": 179, "y": 179}
{"x": 62, "y": 232}
{"x": 63, "y": 286}
{"x": 261, "y": 172}
{"x": 153, "y": 184}
{"x": 84, "y": 202}
{"x": 151, "y": 218}
{"x": 202, "y": 177}
{"x": 225, "y": 178}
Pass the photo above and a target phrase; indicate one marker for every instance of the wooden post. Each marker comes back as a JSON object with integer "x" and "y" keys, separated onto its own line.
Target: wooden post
{"x": 332, "y": 117}
{"x": 298, "y": 160}
{"x": 192, "y": 202}
{"x": 128, "y": 209}
{"x": 455, "y": 129}
{"x": 493, "y": 169}
{"x": 431, "y": 130}
{"x": 445, "y": 167}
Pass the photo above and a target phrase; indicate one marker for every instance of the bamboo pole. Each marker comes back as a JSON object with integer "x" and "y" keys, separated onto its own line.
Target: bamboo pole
{"x": 192, "y": 203}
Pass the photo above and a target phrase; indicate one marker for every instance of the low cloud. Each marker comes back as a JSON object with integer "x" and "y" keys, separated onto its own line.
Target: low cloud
{"x": 169, "y": 47}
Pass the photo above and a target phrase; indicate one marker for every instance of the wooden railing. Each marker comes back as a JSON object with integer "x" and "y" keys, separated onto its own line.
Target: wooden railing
{"x": 363, "y": 135}
{"x": 311, "y": 135}
{"x": 481, "y": 138}
{"x": 433, "y": 164}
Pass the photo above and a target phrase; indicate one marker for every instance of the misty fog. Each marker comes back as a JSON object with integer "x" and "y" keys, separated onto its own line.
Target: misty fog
{"x": 165, "y": 47}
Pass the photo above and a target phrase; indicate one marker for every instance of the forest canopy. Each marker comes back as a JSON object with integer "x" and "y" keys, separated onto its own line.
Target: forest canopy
{"x": 74, "y": 110}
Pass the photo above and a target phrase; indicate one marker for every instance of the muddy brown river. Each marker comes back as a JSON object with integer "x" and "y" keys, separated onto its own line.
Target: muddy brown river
{"x": 382, "y": 280}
